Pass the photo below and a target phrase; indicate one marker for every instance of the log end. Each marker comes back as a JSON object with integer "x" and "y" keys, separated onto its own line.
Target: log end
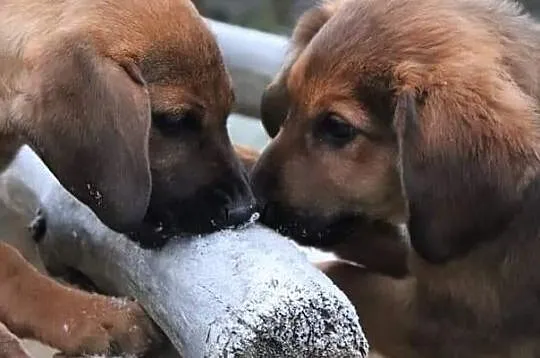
{"x": 304, "y": 324}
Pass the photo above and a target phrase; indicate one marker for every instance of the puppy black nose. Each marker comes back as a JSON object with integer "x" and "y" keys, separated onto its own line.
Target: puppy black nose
{"x": 240, "y": 214}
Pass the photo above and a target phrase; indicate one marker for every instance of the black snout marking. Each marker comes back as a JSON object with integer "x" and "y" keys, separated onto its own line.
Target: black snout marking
{"x": 226, "y": 204}
{"x": 240, "y": 215}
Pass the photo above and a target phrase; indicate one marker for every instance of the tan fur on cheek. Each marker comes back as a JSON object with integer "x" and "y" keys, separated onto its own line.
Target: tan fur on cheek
{"x": 361, "y": 180}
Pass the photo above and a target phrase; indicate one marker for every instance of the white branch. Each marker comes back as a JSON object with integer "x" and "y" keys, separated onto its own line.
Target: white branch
{"x": 248, "y": 293}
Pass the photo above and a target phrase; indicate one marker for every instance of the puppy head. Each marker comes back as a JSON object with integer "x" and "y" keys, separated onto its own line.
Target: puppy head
{"x": 136, "y": 105}
{"x": 400, "y": 87}
{"x": 330, "y": 162}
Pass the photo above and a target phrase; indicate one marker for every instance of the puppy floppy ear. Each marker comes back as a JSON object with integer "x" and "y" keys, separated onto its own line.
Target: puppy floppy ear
{"x": 275, "y": 100}
{"x": 275, "y": 105}
{"x": 459, "y": 179}
{"x": 88, "y": 117}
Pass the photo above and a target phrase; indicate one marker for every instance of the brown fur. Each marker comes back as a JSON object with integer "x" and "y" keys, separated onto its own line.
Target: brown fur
{"x": 34, "y": 306}
{"x": 247, "y": 155}
{"x": 126, "y": 102}
{"x": 442, "y": 98}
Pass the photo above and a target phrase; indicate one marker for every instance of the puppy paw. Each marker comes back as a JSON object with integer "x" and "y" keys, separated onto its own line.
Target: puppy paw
{"x": 112, "y": 326}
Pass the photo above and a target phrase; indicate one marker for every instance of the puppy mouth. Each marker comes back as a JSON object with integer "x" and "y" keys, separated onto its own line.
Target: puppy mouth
{"x": 154, "y": 233}
{"x": 306, "y": 229}
{"x": 204, "y": 213}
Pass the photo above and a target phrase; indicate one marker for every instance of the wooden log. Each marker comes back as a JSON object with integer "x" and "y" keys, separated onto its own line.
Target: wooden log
{"x": 247, "y": 131}
{"x": 243, "y": 293}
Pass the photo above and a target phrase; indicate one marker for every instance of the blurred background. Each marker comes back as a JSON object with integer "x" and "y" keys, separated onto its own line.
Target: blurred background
{"x": 275, "y": 16}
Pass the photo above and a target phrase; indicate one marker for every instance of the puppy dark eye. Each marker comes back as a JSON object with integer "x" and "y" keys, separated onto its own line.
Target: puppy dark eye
{"x": 336, "y": 131}
{"x": 171, "y": 123}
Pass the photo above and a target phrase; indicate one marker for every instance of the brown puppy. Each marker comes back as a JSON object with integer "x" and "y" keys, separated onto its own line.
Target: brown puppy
{"x": 313, "y": 189}
{"x": 126, "y": 102}
{"x": 442, "y": 95}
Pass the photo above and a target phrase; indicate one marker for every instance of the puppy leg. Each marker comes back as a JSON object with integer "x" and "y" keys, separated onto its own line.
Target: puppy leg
{"x": 384, "y": 305}
{"x": 35, "y": 306}
{"x": 11, "y": 346}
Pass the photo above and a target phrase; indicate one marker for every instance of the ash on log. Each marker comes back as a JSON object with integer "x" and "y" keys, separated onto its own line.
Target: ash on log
{"x": 244, "y": 293}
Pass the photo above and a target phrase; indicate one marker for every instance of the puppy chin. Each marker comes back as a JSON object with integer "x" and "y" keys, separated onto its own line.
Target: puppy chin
{"x": 307, "y": 229}
{"x": 199, "y": 215}
{"x": 154, "y": 232}
{"x": 154, "y": 235}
